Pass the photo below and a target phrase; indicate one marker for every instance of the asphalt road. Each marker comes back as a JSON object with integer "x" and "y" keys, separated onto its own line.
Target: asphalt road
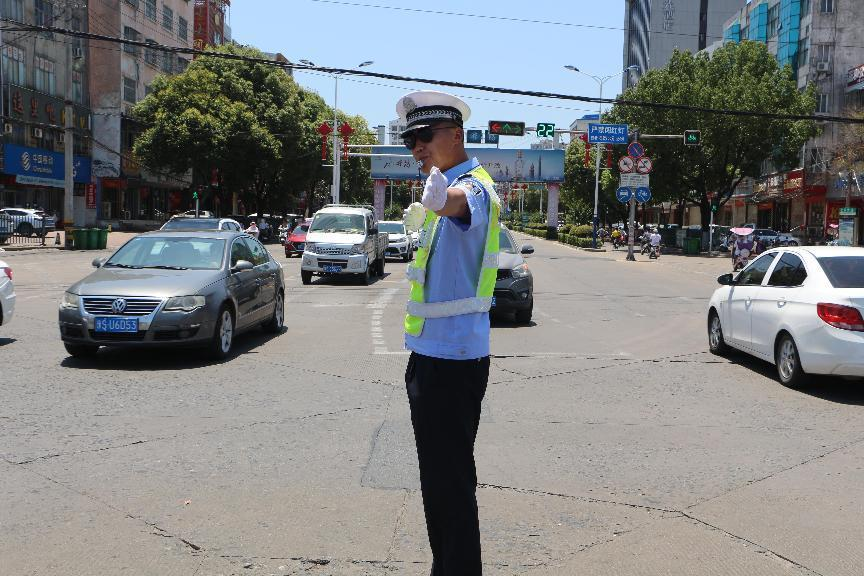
{"x": 611, "y": 442}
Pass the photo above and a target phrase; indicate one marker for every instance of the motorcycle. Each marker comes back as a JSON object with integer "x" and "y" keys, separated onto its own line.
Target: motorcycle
{"x": 654, "y": 252}
{"x": 616, "y": 242}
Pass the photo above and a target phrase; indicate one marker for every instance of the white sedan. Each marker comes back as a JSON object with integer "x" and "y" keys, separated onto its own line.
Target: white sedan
{"x": 800, "y": 308}
{"x": 7, "y": 294}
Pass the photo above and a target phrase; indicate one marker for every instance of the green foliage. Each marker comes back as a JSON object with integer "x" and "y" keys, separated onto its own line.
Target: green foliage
{"x": 741, "y": 76}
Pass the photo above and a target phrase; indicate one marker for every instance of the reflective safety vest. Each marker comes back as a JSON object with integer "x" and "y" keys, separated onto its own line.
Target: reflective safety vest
{"x": 418, "y": 308}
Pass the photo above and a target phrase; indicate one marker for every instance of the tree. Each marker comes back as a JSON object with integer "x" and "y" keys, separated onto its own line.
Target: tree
{"x": 848, "y": 155}
{"x": 741, "y": 76}
{"x": 577, "y": 193}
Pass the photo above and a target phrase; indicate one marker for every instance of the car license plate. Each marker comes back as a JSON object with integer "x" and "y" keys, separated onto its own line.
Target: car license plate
{"x": 493, "y": 301}
{"x": 116, "y": 324}
{"x": 300, "y": 246}
{"x": 332, "y": 268}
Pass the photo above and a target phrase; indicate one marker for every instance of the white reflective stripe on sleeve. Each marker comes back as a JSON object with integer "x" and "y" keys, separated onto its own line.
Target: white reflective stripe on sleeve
{"x": 490, "y": 260}
{"x": 416, "y": 275}
{"x": 452, "y": 308}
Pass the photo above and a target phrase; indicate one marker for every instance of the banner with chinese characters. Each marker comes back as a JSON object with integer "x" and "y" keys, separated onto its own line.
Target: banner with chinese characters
{"x": 42, "y": 167}
{"x": 504, "y": 165}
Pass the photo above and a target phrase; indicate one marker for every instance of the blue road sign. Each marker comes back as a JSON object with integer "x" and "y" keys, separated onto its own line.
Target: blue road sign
{"x": 636, "y": 150}
{"x": 643, "y": 194}
{"x": 491, "y": 138}
{"x": 607, "y": 133}
{"x": 475, "y": 136}
{"x": 624, "y": 194}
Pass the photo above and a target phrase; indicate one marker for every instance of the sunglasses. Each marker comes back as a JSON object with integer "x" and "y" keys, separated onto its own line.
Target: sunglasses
{"x": 425, "y": 135}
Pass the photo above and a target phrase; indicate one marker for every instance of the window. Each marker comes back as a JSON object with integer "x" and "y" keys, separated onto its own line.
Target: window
{"x": 150, "y": 9}
{"x": 167, "y": 63}
{"x": 14, "y": 70}
{"x": 182, "y": 28}
{"x": 823, "y": 105}
{"x": 803, "y": 51}
{"x": 826, "y": 6}
{"x": 43, "y": 75}
{"x": 240, "y": 251}
{"x": 259, "y": 253}
{"x": 822, "y": 52}
{"x": 13, "y": 9}
{"x": 755, "y": 272}
{"x": 788, "y": 272}
{"x": 77, "y": 87}
{"x": 44, "y": 13}
{"x": 130, "y": 33}
{"x": 844, "y": 271}
{"x": 151, "y": 55}
{"x": 167, "y": 18}
{"x": 129, "y": 89}
{"x": 773, "y": 20}
{"x": 182, "y": 64}
{"x": 133, "y": 3}
{"x": 805, "y": 7}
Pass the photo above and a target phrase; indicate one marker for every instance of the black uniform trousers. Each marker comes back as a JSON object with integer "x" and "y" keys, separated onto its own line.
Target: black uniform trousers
{"x": 445, "y": 398}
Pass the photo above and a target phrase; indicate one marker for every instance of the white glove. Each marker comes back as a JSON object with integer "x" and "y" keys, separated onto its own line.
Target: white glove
{"x": 415, "y": 216}
{"x": 435, "y": 192}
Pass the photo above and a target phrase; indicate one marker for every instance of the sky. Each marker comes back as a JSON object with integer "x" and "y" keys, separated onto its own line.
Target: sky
{"x": 492, "y": 43}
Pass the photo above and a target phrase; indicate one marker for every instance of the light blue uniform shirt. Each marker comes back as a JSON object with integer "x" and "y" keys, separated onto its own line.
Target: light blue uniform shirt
{"x": 452, "y": 273}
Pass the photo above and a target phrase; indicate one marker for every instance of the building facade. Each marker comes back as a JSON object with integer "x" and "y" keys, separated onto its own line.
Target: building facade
{"x": 130, "y": 194}
{"x": 210, "y": 26}
{"x": 395, "y": 129}
{"x": 823, "y": 42}
{"x": 654, "y": 29}
{"x": 40, "y": 71}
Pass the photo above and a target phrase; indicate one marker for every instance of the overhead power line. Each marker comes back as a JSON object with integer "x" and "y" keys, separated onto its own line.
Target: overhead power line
{"x": 19, "y": 26}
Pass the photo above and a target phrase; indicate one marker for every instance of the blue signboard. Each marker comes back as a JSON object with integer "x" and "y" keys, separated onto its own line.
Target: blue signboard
{"x": 636, "y": 150}
{"x": 491, "y": 138}
{"x": 607, "y": 133}
{"x": 624, "y": 194}
{"x": 42, "y": 167}
{"x": 643, "y": 194}
{"x": 503, "y": 165}
{"x": 474, "y": 136}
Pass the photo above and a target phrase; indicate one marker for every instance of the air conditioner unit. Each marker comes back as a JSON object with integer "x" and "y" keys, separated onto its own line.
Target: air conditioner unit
{"x": 7, "y": 128}
{"x": 37, "y": 132}
{"x": 823, "y": 67}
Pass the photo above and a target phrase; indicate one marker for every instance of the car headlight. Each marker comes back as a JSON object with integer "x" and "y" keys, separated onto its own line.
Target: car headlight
{"x": 69, "y": 301}
{"x": 521, "y": 271}
{"x": 184, "y": 303}
{"x": 357, "y": 249}
{"x": 309, "y": 247}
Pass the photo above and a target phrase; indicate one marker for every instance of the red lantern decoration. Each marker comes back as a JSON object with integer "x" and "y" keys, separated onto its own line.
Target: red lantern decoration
{"x": 345, "y": 130}
{"x": 325, "y": 130}
{"x": 584, "y": 138}
{"x": 608, "y": 156}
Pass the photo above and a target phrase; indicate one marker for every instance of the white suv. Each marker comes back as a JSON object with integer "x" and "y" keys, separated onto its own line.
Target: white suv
{"x": 28, "y": 221}
{"x": 400, "y": 243}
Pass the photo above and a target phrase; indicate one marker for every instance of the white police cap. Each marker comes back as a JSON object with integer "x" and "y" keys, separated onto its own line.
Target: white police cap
{"x": 425, "y": 107}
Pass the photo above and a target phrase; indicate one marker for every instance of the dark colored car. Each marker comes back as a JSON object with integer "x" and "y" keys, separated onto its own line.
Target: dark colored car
{"x": 296, "y": 240}
{"x": 514, "y": 288}
{"x": 175, "y": 289}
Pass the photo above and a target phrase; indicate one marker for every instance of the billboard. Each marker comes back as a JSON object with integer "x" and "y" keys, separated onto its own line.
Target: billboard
{"x": 504, "y": 165}
{"x": 42, "y": 167}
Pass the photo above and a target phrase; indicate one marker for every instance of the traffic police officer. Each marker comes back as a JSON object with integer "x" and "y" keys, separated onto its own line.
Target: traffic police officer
{"x": 447, "y": 325}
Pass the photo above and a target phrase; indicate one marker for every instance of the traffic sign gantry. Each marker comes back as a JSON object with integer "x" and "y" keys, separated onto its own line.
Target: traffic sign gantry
{"x": 507, "y": 128}
{"x": 545, "y": 130}
{"x": 626, "y": 163}
{"x": 644, "y": 165}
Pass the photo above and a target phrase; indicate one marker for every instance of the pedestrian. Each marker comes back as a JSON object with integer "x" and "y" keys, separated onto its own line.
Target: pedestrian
{"x": 452, "y": 280}
{"x": 252, "y": 230}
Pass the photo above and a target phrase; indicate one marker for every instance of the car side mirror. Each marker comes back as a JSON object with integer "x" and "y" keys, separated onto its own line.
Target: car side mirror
{"x": 98, "y": 262}
{"x": 242, "y": 265}
{"x": 726, "y": 280}
{"x": 527, "y": 249}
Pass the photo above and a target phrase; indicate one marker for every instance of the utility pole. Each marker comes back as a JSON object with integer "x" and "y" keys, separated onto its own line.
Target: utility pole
{"x": 69, "y": 149}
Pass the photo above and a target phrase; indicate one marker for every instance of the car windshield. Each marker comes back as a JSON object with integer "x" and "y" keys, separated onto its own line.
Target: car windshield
{"x": 192, "y": 224}
{"x": 301, "y": 229}
{"x": 844, "y": 271}
{"x": 391, "y": 227}
{"x": 350, "y": 223}
{"x": 184, "y": 253}
{"x": 505, "y": 244}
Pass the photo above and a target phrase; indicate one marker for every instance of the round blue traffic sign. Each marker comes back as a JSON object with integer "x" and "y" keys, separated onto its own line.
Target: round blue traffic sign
{"x": 624, "y": 194}
{"x": 643, "y": 194}
{"x": 636, "y": 150}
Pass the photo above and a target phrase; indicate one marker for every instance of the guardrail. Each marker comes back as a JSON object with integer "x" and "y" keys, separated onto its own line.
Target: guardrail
{"x": 25, "y": 230}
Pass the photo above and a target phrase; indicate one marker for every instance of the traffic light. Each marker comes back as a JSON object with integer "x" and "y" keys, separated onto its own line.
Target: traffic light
{"x": 715, "y": 205}
{"x": 693, "y": 137}
{"x": 507, "y": 128}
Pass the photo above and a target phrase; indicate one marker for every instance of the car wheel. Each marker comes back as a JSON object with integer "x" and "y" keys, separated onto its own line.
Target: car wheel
{"x": 789, "y": 363}
{"x": 305, "y": 277}
{"x": 381, "y": 267}
{"x": 25, "y": 229}
{"x": 277, "y": 321}
{"x": 793, "y": 243}
{"x": 716, "y": 344}
{"x": 223, "y": 335}
{"x": 524, "y": 316}
{"x": 80, "y": 350}
{"x": 366, "y": 277}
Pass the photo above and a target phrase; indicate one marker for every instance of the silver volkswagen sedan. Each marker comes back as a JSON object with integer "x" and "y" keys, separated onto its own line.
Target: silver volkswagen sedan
{"x": 175, "y": 288}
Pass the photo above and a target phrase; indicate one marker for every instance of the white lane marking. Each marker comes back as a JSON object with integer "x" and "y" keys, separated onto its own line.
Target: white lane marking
{"x": 376, "y": 330}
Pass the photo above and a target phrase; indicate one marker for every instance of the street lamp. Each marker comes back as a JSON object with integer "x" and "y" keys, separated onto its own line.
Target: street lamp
{"x": 337, "y": 157}
{"x": 600, "y": 81}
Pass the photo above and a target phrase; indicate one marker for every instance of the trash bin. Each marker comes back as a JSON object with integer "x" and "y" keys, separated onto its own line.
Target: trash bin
{"x": 692, "y": 245}
{"x": 68, "y": 238}
{"x": 103, "y": 238}
{"x": 92, "y": 238}
{"x": 79, "y": 236}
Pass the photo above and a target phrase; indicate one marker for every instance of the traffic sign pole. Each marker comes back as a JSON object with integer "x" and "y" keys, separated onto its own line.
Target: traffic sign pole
{"x": 632, "y": 233}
